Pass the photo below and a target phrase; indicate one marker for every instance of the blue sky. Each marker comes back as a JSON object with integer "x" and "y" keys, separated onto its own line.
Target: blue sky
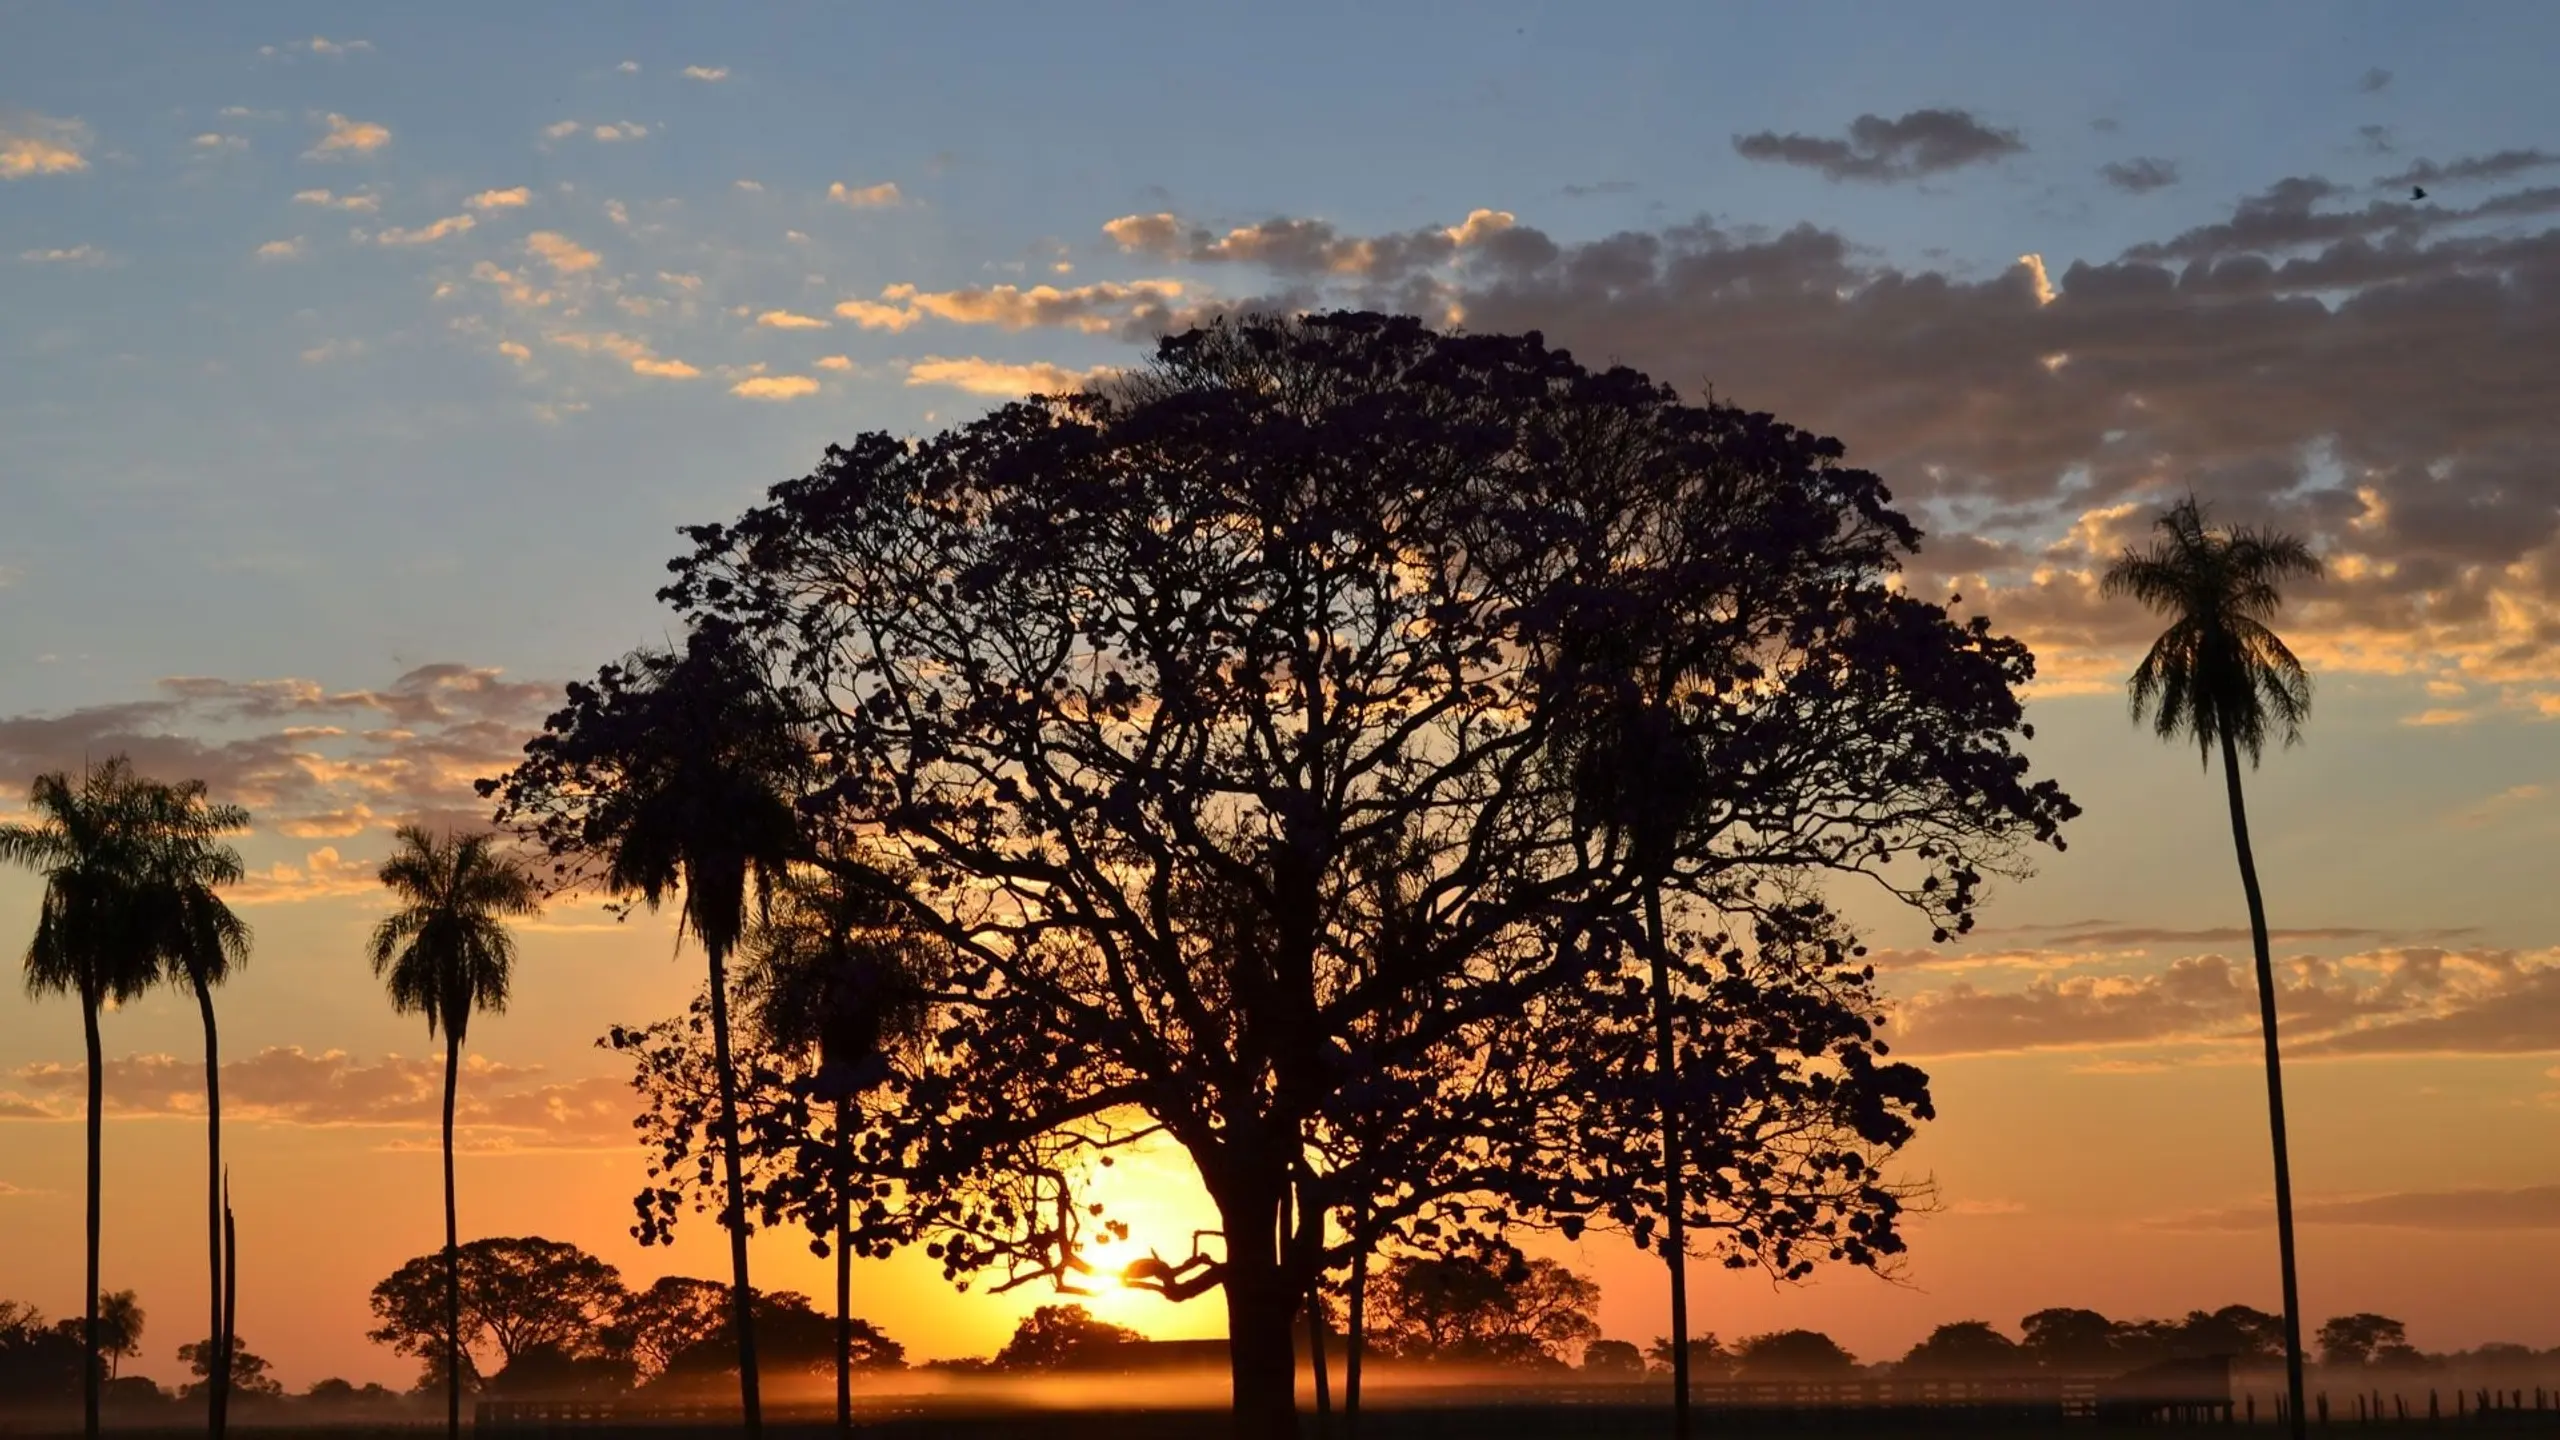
{"x": 361, "y": 362}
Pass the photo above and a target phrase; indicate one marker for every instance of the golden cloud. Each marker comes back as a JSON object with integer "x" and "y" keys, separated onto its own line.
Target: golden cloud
{"x": 326, "y": 200}
{"x": 35, "y": 145}
{"x": 833, "y": 362}
{"x": 281, "y": 249}
{"x": 664, "y": 369}
{"x": 775, "y": 387}
{"x": 998, "y": 377}
{"x": 426, "y": 234}
{"x": 786, "y": 320}
{"x": 349, "y": 137}
{"x": 500, "y": 199}
{"x": 712, "y": 73}
{"x": 564, "y": 255}
{"x": 871, "y": 315}
{"x": 882, "y": 196}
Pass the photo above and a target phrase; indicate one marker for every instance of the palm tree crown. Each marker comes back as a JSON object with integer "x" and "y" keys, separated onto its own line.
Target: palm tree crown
{"x": 93, "y": 845}
{"x": 2219, "y": 669}
{"x": 198, "y": 938}
{"x": 830, "y": 970}
{"x": 445, "y": 953}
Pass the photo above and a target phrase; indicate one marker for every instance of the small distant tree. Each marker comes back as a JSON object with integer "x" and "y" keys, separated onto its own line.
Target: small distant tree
{"x": 1061, "y": 1337}
{"x": 518, "y": 1294}
{"x": 1708, "y": 1358}
{"x": 1612, "y": 1357}
{"x": 40, "y": 1363}
{"x": 1793, "y": 1355}
{"x": 549, "y": 1371}
{"x": 2356, "y": 1340}
{"x": 2239, "y": 1331}
{"x": 1477, "y": 1309}
{"x": 120, "y": 1321}
{"x": 680, "y": 1338}
{"x": 249, "y": 1377}
{"x": 1966, "y": 1347}
{"x": 2069, "y": 1340}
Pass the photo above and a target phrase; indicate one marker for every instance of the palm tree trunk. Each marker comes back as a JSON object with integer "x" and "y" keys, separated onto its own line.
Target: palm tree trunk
{"x": 844, "y": 1265}
{"x": 230, "y": 1295}
{"x": 218, "y": 1391}
{"x": 734, "y": 1214}
{"x": 2275, "y": 1086}
{"x": 1355, "y": 1324}
{"x": 452, "y": 1249}
{"x": 97, "y": 1143}
{"x": 1675, "y": 1236}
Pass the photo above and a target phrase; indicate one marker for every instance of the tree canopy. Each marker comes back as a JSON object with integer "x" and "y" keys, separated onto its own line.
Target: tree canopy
{"x": 1216, "y": 720}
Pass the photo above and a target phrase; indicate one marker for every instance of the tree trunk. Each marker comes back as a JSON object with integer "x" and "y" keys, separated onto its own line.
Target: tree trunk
{"x": 218, "y": 1393}
{"x": 2275, "y": 1087}
{"x": 230, "y": 1295}
{"x": 844, "y": 1266}
{"x": 452, "y": 1249}
{"x": 1262, "y": 1359}
{"x": 1356, "y": 1335}
{"x": 734, "y": 1214}
{"x": 1675, "y": 1236}
{"x": 97, "y": 1141}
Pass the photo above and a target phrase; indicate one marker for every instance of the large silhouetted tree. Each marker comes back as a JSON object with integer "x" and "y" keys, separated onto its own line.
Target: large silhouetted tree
{"x": 674, "y": 772}
{"x": 2222, "y": 677}
{"x": 96, "y": 845}
{"x": 518, "y": 1294}
{"x": 445, "y": 953}
{"x": 1144, "y": 685}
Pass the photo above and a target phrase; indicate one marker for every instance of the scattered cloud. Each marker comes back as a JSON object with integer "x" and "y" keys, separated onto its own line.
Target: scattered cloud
{"x": 752, "y": 187}
{"x": 621, "y": 130}
{"x": 2531, "y": 1207}
{"x": 288, "y": 1085}
{"x": 2498, "y": 166}
{"x": 282, "y": 249}
{"x": 328, "y": 200}
{"x": 2407, "y": 1000}
{"x": 450, "y": 225}
{"x": 787, "y": 320}
{"x": 298, "y": 753}
{"x": 662, "y": 369}
{"x": 33, "y": 144}
{"x": 882, "y": 196}
{"x": 2140, "y": 175}
{"x": 216, "y": 141}
{"x": 514, "y": 351}
{"x": 775, "y": 387}
{"x": 872, "y": 315}
{"x": 564, "y": 255}
{"x": 71, "y": 255}
{"x": 330, "y": 351}
{"x": 1300, "y": 247}
{"x": 1093, "y": 309}
{"x": 713, "y": 73}
{"x": 513, "y": 199}
{"x": 833, "y": 362}
{"x": 1008, "y": 380}
{"x": 629, "y": 67}
{"x": 631, "y": 351}
{"x": 2374, "y": 81}
{"x": 1877, "y": 150}
{"x": 348, "y": 137}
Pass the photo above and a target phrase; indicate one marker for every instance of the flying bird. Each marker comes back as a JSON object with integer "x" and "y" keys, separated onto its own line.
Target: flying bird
{"x": 2417, "y": 192}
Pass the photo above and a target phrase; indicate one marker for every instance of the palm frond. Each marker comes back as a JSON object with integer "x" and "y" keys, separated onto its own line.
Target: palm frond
{"x": 2219, "y": 671}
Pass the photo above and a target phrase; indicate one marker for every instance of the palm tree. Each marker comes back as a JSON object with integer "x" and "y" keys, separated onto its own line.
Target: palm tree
{"x": 92, "y": 844}
{"x": 2219, "y": 675}
{"x": 120, "y": 1320}
{"x": 831, "y": 971}
{"x": 446, "y": 954}
{"x": 199, "y": 942}
{"x": 705, "y": 804}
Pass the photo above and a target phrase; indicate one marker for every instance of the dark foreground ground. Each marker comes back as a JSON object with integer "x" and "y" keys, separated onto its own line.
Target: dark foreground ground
{"x": 1439, "y": 1422}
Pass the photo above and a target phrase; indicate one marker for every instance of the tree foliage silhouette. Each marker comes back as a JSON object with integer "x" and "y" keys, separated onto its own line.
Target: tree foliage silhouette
{"x": 2222, "y": 677}
{"x": 674, "y": 772}
{"x": 517, "y": 1294}
{"x": 1146, "y": 687}
{"x": 445, "y": 953}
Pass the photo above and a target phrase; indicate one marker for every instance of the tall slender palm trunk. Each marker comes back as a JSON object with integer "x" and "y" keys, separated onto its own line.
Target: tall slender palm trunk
{"x": 97, "y": 1143}
{"x": 1675, "y": 1237}
{"x": 230, "y": 1291}
{"x": 734, "y": 1214}
{"x": 844, "y": 1265}
{"x": 218, "y": 1384}
{"x": 2275, "y": 1086}
{"x": 452, "y": 1249}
